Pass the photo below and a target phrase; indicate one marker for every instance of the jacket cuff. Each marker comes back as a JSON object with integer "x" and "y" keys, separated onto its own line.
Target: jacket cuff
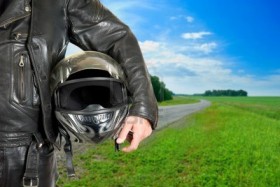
{"x": 151, "y": 116}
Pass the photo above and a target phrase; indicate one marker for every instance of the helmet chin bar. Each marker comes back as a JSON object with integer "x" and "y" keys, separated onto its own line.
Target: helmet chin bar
{"x": 92, "y": 127}
{"x": 97, "y": 119}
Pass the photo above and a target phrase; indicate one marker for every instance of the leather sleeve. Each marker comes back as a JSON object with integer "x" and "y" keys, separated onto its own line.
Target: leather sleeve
{"x": 94, "y": 27}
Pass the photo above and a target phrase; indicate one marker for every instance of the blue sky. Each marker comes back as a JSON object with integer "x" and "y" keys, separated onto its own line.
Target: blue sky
{"x": 198, "y": 45}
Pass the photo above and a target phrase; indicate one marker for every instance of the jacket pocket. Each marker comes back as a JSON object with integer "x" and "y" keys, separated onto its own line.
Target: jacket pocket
{"x": 24, "y": 89}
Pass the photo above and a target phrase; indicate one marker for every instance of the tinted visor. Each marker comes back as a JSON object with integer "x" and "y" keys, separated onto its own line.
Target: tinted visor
{"x": 80, "y": 93}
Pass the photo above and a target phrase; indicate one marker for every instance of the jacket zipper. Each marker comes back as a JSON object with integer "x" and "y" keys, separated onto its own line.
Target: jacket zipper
{"x": 21, "y": 65}
{"x": 11, "y": 20}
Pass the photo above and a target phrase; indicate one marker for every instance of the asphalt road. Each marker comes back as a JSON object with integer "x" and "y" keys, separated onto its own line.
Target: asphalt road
{"x": 169, "y": 114}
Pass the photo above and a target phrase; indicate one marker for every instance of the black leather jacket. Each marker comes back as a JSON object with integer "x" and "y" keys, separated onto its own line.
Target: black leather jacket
{"x": 87, "y": 24}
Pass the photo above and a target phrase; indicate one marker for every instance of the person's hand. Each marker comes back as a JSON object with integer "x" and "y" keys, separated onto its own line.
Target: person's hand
{"x": 135, "y": 129}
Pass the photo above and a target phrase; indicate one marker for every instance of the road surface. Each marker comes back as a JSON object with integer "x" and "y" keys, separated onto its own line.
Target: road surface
{"x": 169, "y": 114}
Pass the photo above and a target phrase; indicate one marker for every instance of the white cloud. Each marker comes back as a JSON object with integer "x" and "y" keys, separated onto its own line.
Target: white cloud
{"x": 206, "y": 47}
{"x": 149, "y": 46}
{"x": 187, "y": 74}
{"x": 71, "y": 49}
{"x": 195, "y": 48}
{"x": 195, "y": 35}
{"x": 164, "y": 55}
{"x": 189, "y": 19}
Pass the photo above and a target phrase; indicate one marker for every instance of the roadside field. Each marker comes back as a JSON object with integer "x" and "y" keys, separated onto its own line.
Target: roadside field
{"x": 230, "y": 143}
{"x": 266, "y": 106}
{"x": 177, "y": 100}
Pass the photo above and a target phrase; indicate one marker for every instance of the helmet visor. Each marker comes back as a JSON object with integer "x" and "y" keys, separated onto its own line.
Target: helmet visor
{"x": 78, "y": 94}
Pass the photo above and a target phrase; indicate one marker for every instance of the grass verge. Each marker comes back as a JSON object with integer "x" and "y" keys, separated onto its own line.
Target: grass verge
{"x": 177, "y": 100}
{"x": 224, "y": 145}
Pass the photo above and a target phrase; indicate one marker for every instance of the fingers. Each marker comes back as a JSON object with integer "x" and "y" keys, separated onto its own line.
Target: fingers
{"x": 124, "y": 132}
{"x": 141, "y": 129}
{"x": 133, "y": 145}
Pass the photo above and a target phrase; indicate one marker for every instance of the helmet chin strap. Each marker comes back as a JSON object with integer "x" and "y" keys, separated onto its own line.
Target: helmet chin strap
{"x": 69, "y": 157}
{"x": 68, "y": 152}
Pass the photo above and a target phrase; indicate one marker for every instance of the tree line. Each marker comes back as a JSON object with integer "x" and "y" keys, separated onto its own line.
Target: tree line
{"x": 161, "y": 92}
{"x": 225, "y": 93}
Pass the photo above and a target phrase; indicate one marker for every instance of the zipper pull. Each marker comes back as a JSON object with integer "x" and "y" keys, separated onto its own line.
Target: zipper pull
{"x": 21, "y": 61}
{"x": 17, "y": 36}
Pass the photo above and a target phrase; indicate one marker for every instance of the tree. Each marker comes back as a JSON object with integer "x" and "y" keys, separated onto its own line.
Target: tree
{"x": 225, "y": 93}
{"x": 160, "y": 91}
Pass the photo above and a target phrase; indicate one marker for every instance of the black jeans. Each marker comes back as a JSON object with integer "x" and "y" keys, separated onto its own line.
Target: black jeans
{"x": 13, "y": 162}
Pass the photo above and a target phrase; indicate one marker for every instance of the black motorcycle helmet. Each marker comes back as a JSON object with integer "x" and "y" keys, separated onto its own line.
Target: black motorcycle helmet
{"x": 90, "y": 96}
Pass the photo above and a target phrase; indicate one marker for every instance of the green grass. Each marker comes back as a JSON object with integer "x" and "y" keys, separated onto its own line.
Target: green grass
{"x": 224, "y": 145}
{"x": 177, "y": 100}
{"x": 265, "y": 106}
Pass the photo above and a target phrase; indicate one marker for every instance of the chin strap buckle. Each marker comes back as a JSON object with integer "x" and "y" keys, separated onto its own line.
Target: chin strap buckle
{"x": 30, "y": 182}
